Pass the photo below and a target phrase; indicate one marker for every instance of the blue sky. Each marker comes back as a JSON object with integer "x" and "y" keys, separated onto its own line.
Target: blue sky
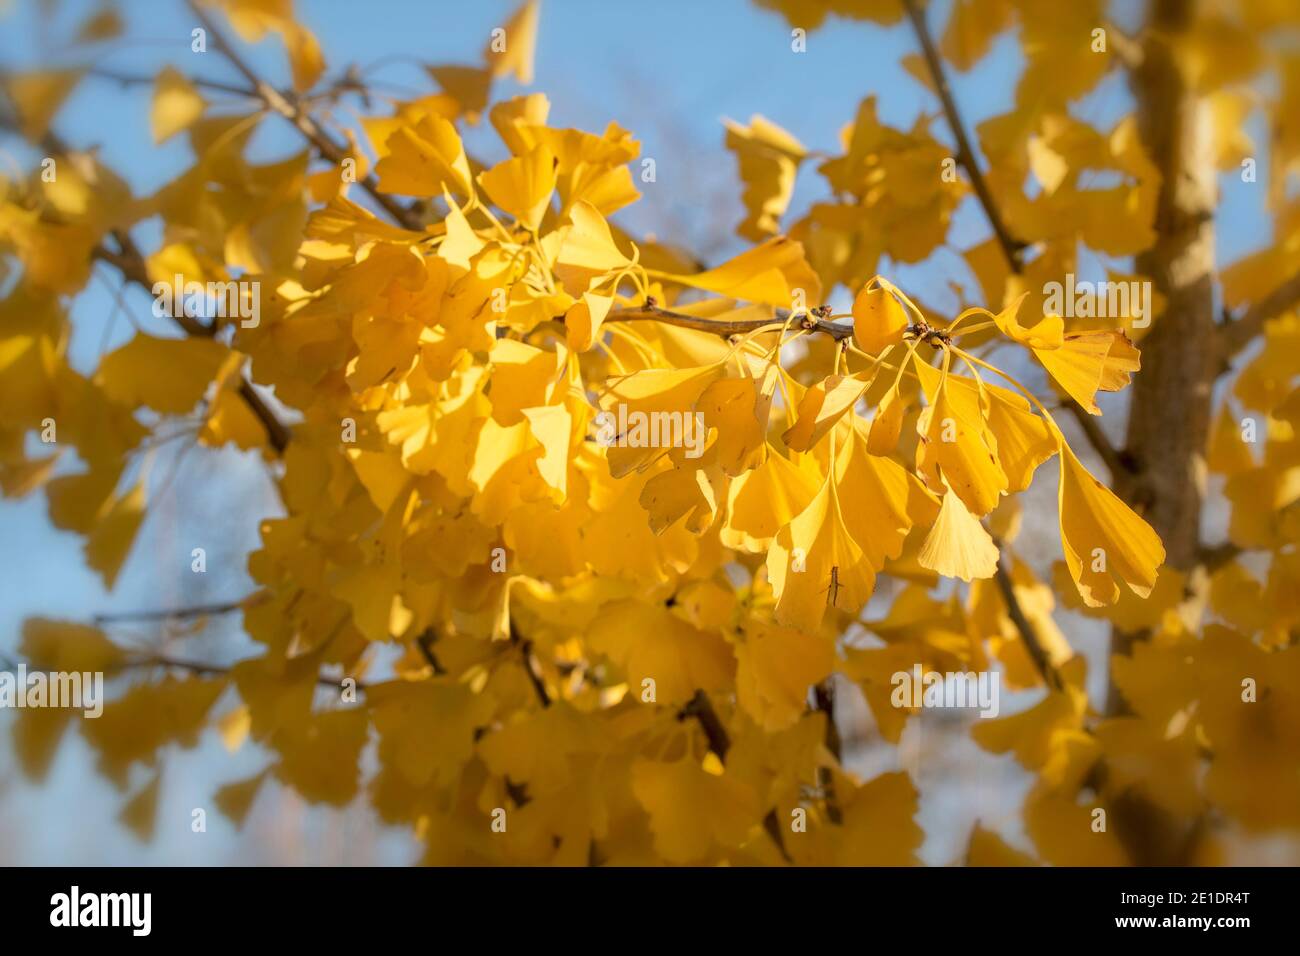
{"x": 668, "y": 71}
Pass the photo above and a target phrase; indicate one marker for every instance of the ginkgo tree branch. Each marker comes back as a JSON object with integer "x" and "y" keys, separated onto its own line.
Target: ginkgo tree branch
{"x": 1028, "y": 633}
{"x": 824, "y": 699}
{"x": 288, "y": 107}
{"x": 1236, "y": 334}
{"x": 525, "y": 646}
{"x": 130, "y": 262}
{"x": 140, "y": 79}
{"x": 651, "y": 312}
{"x": 179, "y": 613}
{"x": 1119, "y": 462}
{"x": 1012, "y": 248}
{"x": 702, "y": 710}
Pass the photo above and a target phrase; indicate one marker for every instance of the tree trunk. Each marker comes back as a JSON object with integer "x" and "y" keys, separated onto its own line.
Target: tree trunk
{"x": 1169, "y": 415}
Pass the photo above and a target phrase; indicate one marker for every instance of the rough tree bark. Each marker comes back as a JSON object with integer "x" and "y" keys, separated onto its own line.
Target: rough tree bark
{"x": 1170, "y": 411}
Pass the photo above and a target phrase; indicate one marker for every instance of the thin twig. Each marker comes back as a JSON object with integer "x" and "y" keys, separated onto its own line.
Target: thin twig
{"x": 715, "y": 733}
{"x": 141, "y": 79}
{"x": 1037, "y": 653}
{"x": 653, "y": 313}
{"x": 525, "y": 646}
{"x": 288, "y": 107}
{"x": 217, "y": 670}
{"x": 425, "y": 643}
{"x": 177, "y": 613}
{"x": 824, "y": 696}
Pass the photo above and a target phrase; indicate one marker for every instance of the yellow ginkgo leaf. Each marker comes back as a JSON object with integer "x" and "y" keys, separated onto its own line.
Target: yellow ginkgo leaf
{"x": 986, "y": 848}
{"x": 523, "y": 376}
{"x": 775, "y": 667}
{"x": 583, "y": 320}
{"x": 141, "y": 812}
{"x": 1048, "y": 333}
{"x": 511, "y": 118}
{"x": 234, "y": 800}
{"x": 586, "y": 249}
{"x": 821, "y": 407}
{"x": 763, "y": 501}
{"x": 738, "y": 409}
{"x": 887, "y": 424}
{"x": 877, "y": 825}
{"x": 68, "y": 646}
{"x": 522, "y": 185}
{"x": 1023, "y": 439}
{"x": 1103, "y": 539}
{"x": 958, "y": 450}
{"x": 1064, "y": 834}
{"x": 469, "y": 88}
{"x": 424, "y": 160}
{"x": 814, "y": 564}
{"x": 1228, "y": 454}
{"x": 38, "y": 96}
{"x": 958, "y": 546}
{"x": 512, "y": 47}
{"x": 881, "y": 493}
{"x": 168, "y": 375}
{"x": 879, "y": 319}
{"x": 176, "y": 105}
{"x": 648, "y": 641}
{"x": 768, "y": 158}
{"x": 1033, "y": 734}
{"x": 110, "y": 540}
{"x": 693, "y": 490}
{"x": 774, "y": 273}
{"x": 651, "y": 411}
{"x": 1088, "y": 362}
{"x": 306, "y": 62}
{"x": 692, "y": 811}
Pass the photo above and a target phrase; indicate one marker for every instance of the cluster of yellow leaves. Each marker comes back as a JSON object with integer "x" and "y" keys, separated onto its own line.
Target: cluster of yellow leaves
{"x": 568, "y": 601}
